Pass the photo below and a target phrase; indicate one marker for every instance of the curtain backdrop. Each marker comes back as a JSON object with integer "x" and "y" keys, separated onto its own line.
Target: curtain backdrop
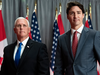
{"x": 11, "y": 9}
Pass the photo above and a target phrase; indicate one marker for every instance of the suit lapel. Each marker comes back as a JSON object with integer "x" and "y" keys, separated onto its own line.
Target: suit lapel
{"x": 25, "y": 52}
{"x": 68, "y": 41}
{"x": 82, "y": 40}
{"x": 12, "y": 52}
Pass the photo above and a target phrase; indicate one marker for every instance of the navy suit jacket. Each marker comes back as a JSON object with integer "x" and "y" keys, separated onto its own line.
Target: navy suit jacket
{"x": 34, "y": 60}
{"x": 85, "y": 61}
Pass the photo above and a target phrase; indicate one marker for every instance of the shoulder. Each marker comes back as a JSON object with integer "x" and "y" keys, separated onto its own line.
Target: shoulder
{"x": 36, "y": 44}
{"x": 11, "y": 45}
{"x": 66, "y": 34}
{"x": 91, "y": 31}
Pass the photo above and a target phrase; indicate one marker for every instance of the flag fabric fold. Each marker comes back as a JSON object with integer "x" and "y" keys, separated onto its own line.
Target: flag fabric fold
{"x": 3, "y": 39}
{"x": 35, "y": 31}
{"x": 88, "y": 23}
{"x": 56, "y": 33}
{"x": 60, "y": 24}
{"x": 30, "y": 32}
{"x": 98, "y": 68}
{"x": 58, "y": 29}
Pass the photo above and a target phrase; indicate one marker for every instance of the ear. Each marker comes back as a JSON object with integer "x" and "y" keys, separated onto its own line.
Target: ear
{"x": 29, "y": 29}
{"x": 14, "y": 30}
{"x": 83, "y": 15}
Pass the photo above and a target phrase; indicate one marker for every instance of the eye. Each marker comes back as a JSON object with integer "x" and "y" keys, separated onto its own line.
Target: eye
{"x": 24, "y": 25}
{"x": 18, "y": 25}
{"x": 71, "y": 13}
{"x": 78, "y": 12}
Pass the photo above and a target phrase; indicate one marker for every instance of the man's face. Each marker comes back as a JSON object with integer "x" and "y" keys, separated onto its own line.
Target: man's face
{"x": 75, "y": 17}
{"x": 22, "y": 29}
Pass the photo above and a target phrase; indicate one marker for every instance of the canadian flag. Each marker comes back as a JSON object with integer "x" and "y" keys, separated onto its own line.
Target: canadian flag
{"x": 3, "y": 40}
{"x": 60, "y": 24}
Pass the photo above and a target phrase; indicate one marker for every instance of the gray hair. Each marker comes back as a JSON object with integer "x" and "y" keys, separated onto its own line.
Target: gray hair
{"x": 21, "y": 18}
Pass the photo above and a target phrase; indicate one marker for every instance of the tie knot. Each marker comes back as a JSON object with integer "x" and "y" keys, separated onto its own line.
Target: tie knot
{"x": 75, "y": 32}
{"x": 20, "y": 44}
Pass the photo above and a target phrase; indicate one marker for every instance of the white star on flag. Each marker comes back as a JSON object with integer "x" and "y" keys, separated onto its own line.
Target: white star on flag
{"x": 35, "y": 29}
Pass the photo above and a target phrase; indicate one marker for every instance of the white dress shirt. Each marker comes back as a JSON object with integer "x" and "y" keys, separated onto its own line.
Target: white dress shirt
{"x": 22, "y": 47}
{"x": 78, "y": 34}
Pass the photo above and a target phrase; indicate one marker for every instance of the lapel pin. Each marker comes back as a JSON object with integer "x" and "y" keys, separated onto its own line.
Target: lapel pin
{"x": 27, "y": 46}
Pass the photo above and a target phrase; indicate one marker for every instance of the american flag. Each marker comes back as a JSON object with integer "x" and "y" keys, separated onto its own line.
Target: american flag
{"x": 89, "y": 21}
{"x": 56, "y": 33}
{"x": 35, "y": 33}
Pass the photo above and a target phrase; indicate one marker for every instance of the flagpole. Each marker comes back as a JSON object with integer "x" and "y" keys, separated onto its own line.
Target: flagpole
{"x": 27, "y": 11}
{"x": 35, "y": 6}
{"x": 0, "y": 4}
{"x": 90, "y": 11}
{"x": 56, "y": 13}
{"x": 35, "y": 30}
{"x": 60, "y": 7}
{"x": 60, "y": 22}
{"x": 86, "y": 13}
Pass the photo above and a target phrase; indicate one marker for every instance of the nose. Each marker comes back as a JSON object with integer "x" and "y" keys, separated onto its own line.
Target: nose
{"x": 21, "y": 26}
{"x": 75, "y": 15}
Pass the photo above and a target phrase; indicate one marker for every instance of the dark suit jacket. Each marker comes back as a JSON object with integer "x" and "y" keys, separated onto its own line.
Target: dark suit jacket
{"x": 85, "y": 61}
{"x": 34, "y": 60}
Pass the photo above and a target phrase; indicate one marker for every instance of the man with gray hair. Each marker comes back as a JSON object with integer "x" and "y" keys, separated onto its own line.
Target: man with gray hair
{"x": 25, "y": 57}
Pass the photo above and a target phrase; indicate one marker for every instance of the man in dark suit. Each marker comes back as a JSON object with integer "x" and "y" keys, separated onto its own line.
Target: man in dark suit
{"x": 78, "y": 49}
{"x": 33, "y": 58}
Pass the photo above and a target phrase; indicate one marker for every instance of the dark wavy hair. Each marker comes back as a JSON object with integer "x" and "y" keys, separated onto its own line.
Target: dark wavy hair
{"x": 71, "y": 4}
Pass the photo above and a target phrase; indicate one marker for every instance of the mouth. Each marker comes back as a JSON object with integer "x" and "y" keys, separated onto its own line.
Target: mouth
{"x": 21, "y": 31}
{"x": 75, "y": 20}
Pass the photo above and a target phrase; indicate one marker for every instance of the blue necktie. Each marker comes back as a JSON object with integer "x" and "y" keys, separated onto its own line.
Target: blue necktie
{"x": 17, "y": 56}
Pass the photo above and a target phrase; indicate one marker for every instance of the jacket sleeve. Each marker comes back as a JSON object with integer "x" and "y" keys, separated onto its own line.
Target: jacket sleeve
{"x": 43, "y": 61}
{"x": 58, "y": 70}
{"x": 97, "y": 45}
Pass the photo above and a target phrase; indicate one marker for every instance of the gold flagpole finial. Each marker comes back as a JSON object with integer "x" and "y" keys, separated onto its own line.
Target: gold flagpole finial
{"x": 90, "y": 7}
{"x": 35, "y": 6}
{"x": 27, "y": 11}
{"x": 86, "y": 13}
{"x": 0, "y": 4}
{"x": 90, "y": 12}
{"x": 60, "y": 7}
{"x": 56, "y": 12}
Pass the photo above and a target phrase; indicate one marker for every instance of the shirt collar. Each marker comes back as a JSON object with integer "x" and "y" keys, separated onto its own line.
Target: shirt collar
{"x": 23, "y": 42}
{"x": 79, "y": 30}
